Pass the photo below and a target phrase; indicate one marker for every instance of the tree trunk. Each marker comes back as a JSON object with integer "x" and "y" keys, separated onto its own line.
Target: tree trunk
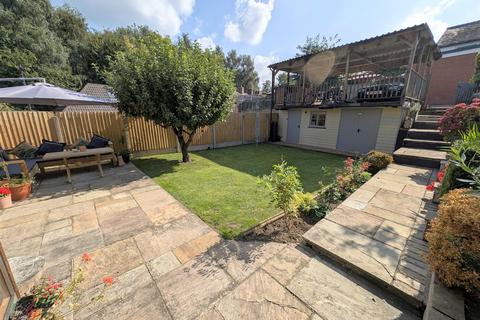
{"x": 184, "y": 144}
{"x": 185, "y": 155}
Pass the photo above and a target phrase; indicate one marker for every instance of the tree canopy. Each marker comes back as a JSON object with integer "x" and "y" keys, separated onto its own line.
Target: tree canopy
{"x": 179, "y": 86}
{"x": 244, "y": 70}
{"x": 267, "y": 87}
{"x": 316, "y": 44}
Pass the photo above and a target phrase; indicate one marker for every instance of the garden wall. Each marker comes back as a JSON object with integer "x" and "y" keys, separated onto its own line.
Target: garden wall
{"x": 142, "y": 135}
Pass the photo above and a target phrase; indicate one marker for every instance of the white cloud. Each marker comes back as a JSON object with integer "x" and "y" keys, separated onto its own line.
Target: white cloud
{"x": 261, "y": 64}
{"x": 251, "y": 21}
{"x": 430, "y": 15}
{"x": 206, "y": 42}
{"x": 165, "y": 16}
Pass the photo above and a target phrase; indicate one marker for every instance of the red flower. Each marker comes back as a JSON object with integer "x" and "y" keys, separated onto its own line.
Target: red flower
{"x": 431, "y": 186}
{"x": 108, "y": 280}
{"x": 440, "y": 176}
{"x": 86, "y": 257}
{"x": 5, "y": 191}
{"x": 365, "y": 165}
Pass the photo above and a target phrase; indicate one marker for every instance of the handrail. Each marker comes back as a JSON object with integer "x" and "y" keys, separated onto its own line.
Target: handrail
{"x": 359, "y": 88}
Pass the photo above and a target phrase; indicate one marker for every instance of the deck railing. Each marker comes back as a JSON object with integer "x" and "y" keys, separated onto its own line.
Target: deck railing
{"x": 360, "y": 88}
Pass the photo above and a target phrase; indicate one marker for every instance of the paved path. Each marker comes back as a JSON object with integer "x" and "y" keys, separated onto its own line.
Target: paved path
{"x": 379, "y": 230}
{"x": 168, "y": 264}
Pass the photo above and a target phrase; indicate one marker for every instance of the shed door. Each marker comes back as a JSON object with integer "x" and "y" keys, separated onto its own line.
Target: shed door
{"x": 293, "y": 126}
{"x": 358, "y": 130}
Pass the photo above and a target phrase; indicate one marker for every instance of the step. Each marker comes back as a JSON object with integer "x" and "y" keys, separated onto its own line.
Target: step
{"x": 425, "y": 125}
{"x": 419, "y": 157}
{"x": 424, "y": 134}
{"x": 426, "y": 117}
{"x": 425, "y": 144}
{"x": 435, "y": 112}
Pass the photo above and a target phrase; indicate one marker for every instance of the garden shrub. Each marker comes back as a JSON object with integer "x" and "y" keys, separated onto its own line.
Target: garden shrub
{"x": 283, "y": 183}
{"x": 348, "y": 179}
{"x": 454, "y": 240}
{"x": 304, "y": 202}
{"x": 453, "y": 179}
{"x": 458, "y": 119}
{"x": 378, "y": 160}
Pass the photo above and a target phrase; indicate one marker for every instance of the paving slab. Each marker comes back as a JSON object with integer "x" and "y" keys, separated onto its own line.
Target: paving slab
{"x": 188, "y": 291}
{"x": 286, "y": 263}
{"x": 383, "y": 238}
{"x": 335, "y": 294}
{"x": 162, "y": 265}
{"x": 261, "y": 297}
{"x": 240, "y": 259}
{"x": 197, "y": 246}
{"x": 121, "y": 225}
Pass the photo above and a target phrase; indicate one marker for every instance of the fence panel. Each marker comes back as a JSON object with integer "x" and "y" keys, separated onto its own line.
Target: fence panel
{"x": 76, "y": 125}
{"x": 33, "y": 126}
{"x": 145, "y": 135}
{"x": 30, "y": 126}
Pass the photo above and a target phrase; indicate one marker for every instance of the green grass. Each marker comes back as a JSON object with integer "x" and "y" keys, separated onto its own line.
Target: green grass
{"x": 221, "y": 187}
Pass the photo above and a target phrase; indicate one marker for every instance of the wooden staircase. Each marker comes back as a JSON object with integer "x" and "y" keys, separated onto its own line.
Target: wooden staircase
{"x": 423, "y": 144}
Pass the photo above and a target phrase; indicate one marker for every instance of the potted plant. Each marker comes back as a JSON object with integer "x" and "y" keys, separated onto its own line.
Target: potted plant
{"x": 20, "y": 188}
{"x": 5, "y": 198}
{"x": 126, "y": 155}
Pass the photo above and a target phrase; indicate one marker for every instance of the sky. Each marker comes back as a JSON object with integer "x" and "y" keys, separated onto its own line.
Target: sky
{"x": 270, "y": 30}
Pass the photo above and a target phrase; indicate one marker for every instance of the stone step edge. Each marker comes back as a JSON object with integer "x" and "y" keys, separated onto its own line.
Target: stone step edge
{"x": 345, "y": 264}
{"x": 443, "y": 301}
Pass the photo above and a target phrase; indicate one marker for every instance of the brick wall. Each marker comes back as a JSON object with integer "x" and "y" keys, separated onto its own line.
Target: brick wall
{"x": 446, "y": 73}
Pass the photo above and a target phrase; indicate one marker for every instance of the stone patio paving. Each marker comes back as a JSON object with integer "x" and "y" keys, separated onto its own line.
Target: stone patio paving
{"x": 379, "y": 230}
{"x": 168, "y": 264}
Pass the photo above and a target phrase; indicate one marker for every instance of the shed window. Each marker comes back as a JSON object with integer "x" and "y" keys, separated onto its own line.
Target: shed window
{"x": 317, "y": 119}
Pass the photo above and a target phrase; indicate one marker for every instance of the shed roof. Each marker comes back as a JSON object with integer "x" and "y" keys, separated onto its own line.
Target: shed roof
{"x": 393, "y": 46}
{"x": 97, "y": 90}
{"x": 461, "y": 33}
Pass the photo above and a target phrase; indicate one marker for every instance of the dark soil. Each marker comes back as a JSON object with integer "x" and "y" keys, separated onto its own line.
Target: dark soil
{"x": 472, "y": 306}
{"x": 23, "y": 307}
{"x": 286, "y": 229}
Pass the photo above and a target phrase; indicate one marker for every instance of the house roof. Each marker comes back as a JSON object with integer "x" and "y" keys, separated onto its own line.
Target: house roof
{"x": 383, "y": 47}
{"x": 461, "y": 33}
{"x": 97, "y": 90}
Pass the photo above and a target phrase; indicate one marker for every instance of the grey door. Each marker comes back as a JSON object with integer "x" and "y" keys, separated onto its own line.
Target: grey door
{"x": 358, "y": 130}
{"x": 293, "y": 126}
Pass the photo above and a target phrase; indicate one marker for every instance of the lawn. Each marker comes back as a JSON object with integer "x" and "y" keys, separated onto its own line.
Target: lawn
{"x": 221, "y": 185}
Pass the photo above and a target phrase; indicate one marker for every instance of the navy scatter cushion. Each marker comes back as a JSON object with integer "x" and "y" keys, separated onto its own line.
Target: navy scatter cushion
{"x": 24, "y": 150}
{"x": 97, "y": 142}
{"x": 4, "y": 155}
{"x": 49, "y": 146}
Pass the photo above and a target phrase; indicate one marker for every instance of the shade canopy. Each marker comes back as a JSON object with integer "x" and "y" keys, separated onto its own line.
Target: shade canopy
{"x": 48, "y": 94}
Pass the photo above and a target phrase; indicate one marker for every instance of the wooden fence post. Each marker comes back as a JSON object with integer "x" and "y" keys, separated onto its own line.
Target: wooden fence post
{"x": 126, "y": 132}
{"x": 214, "y": 136}
{"x": 257, "y": 127}
{"x": 58, "y": 128}
{"x": 243, "y": 127}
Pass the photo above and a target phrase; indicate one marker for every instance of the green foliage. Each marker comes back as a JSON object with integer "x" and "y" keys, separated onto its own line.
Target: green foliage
{"x": 243, "y": 69}
{"x": 378, "y": 160}
{"x": 317, "y": 44}
{"x": 284, "y": 184}
{"x": 267, "y": 87}
{"x": 476, "y": 74}
{"x": 180, "y": 86}
{"x": 304, "y": 202}
{"x": 349, "y": 178}
{"x": 453, "y": 179}
{"x": 465, "y": 154}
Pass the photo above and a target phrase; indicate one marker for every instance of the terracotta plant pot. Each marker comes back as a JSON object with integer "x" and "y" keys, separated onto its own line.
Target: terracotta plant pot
{"x": 6, "y": 202}
{"x": 21, "y": 192}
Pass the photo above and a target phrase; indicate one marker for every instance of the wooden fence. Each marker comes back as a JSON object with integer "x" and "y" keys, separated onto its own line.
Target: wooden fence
{"x": 143, "y": 136}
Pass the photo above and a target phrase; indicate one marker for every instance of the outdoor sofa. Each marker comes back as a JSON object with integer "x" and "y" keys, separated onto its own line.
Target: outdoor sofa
{"x": 58, "y": 159}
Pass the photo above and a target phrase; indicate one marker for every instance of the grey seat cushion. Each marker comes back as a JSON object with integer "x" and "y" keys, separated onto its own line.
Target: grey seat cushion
{"x": 15, "y": 170}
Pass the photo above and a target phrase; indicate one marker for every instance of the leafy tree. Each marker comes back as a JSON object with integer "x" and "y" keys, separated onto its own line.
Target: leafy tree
{"x": 175, "y": 86}
{"x": 316, "y": 44}
{"x": 476, "y": 75}
{"x": 29, "y": 42}
{"x": 243, "y": 69}
{"x": 282, "y": 79}
{"x": 267, "y": 87}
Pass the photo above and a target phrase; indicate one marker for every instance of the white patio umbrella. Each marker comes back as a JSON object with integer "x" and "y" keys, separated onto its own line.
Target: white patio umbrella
{"x": 48, "y": 94}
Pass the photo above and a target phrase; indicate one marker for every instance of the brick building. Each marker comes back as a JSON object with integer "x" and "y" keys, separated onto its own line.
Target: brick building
{"x": 459, "y": 46}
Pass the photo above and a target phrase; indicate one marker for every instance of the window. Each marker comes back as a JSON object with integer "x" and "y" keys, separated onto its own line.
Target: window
{"x": 317, "y": 119}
